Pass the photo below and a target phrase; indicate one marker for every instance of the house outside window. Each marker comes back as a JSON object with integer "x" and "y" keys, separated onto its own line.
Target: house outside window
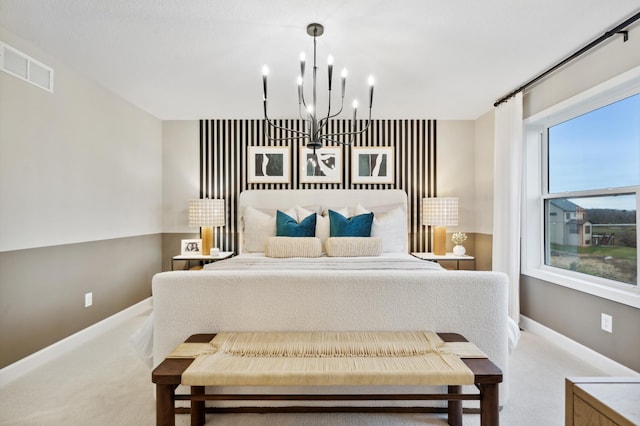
{"x": 582, "y": 186}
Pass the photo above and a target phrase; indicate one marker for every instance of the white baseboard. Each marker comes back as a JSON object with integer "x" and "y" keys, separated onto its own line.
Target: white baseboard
{"x": 600, "y": 361}
{"x": 19, "y": 368}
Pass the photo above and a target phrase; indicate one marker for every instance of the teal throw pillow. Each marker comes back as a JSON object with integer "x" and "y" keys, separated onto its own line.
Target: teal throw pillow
{"x": 287, "y": 226}
{"x": 355, "y": 226}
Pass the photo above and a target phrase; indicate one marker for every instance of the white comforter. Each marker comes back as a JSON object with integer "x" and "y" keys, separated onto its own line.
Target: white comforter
{"x": 387, "y": 261}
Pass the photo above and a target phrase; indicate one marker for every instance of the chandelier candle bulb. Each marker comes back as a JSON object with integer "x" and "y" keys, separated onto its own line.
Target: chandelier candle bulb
{"x": 344, "y": 80}
{"x": 330, "y": 68}
{"x": 299, "y": 91}
{"x": 265, "y": 73}
{"x": 302, "y": 62}
{"x": 371, "y": 81}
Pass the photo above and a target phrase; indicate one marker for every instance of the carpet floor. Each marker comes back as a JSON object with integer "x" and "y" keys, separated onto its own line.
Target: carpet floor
{"x": 105, "y": 383}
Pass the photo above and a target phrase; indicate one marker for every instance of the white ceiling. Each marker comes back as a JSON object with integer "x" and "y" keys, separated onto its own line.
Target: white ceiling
{"x": 444, "y": 59}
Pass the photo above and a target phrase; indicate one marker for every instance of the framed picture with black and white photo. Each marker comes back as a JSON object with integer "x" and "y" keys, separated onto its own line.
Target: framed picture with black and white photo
{"x": 268, "y": 164}
{"x": 372, "y": 164}
{"x": 323, "y": 166}
{"x": 192, "y": 247}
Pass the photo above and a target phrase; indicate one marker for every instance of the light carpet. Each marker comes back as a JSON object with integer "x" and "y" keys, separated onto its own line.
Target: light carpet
{"x": 105, "y": 383}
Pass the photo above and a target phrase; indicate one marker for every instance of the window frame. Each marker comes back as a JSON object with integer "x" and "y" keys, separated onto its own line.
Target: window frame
{"x": 535, "y": 184}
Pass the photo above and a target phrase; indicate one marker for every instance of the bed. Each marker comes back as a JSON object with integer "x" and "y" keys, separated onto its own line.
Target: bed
{"x": 355, "y": 290}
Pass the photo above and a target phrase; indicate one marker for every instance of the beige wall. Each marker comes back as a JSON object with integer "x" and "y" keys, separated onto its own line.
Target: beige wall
{"x": 484, "y": 172}
{"x": 80, "y": 191}
{"x": 180, "y": 172}
{"x": 465, "y": 170}
{"x": 180, "y": 183}
{"x": 603, "y": 63}
{"x": 456, "y": 169}
{"x": 573, "y": 313}
{"x": 76, "y": 165}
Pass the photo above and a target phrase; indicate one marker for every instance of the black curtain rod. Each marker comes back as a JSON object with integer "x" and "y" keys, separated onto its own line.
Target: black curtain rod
{"x": 617, "y": 30}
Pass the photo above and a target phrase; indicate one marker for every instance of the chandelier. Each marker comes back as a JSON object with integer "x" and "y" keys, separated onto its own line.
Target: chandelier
{"x": 314, "y": 132}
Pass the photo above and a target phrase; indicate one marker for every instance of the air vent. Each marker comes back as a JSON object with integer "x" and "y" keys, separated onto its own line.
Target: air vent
{"x": 20, "y": 65}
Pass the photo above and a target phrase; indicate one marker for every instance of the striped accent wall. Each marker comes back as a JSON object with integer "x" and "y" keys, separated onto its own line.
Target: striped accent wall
{"x": 223, "y": 165}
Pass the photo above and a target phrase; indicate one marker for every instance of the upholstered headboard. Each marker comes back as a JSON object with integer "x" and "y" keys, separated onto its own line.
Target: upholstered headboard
{"x": 283, "y": 199}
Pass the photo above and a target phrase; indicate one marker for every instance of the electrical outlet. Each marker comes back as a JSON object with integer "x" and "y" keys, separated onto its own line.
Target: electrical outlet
{"x": 88, "y": 300}
{"x": 606, "y": 323}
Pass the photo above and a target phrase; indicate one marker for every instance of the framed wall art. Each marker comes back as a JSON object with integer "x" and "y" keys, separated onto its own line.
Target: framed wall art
{"x": 372, "y": 164}
{"x": 323, "y": 166}
{"x": 268, "y": 164}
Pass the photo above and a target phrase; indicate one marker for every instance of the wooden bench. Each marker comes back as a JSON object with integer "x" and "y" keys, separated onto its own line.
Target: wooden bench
{"x": 168, "y": 375}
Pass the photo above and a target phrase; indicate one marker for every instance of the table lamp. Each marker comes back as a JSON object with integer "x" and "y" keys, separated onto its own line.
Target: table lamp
{"x": 440, "y": 212}
{"x": 207, "y": 213}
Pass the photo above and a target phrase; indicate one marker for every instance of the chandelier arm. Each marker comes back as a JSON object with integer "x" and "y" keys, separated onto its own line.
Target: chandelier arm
{"x": 325, "y": 120}
{"x": 303, "y": 102}
{"x": 324, "y": 138}
{"x": 355, "y": 133}
{"x": 291, "y": 138}
{"x": 275, "y": 126}
{"x": 300, "y": 113}
{"x": 272, "y": 139}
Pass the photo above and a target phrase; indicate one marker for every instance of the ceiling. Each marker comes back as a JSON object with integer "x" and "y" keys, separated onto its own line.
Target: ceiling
{"x": 444, "y": 59}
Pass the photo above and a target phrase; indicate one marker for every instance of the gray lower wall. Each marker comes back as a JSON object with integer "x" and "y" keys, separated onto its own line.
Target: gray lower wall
{"x": 577, "y": 316}
{"x": 171, "y": 247}
{"x": 42, "y": 289}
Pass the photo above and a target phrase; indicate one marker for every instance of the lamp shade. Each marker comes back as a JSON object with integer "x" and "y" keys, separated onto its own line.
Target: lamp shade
{"x": 206, "y": 212}
{"x": 442, "y": 211}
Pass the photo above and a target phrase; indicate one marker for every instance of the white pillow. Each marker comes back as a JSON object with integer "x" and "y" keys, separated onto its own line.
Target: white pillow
{"x": 258, "y": 227}
{"x": 293, "y": 247}
{"x": 354, "y": 246}
{"x": 391, "y": 227}
{"x": 323, "y": 228}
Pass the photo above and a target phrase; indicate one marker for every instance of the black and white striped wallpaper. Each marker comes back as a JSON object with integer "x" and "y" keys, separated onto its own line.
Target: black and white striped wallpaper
{"x": 223, "y": 165}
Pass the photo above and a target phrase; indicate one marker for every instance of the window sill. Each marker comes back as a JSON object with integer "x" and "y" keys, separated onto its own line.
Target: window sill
{"x": 629, "y": 297}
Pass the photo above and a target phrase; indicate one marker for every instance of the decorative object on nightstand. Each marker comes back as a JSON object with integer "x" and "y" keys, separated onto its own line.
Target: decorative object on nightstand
{"x": 440, "y": 212}
{"x": 191, "y": 246}
{"x": 207, "y": 213}
{"x": 458, "y": 238}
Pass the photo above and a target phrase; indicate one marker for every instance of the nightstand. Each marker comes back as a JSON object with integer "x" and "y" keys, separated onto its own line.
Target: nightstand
{"x": 446, "y": 257}
{"x": 602, "y": 401}
{"x": 200, "y": 258}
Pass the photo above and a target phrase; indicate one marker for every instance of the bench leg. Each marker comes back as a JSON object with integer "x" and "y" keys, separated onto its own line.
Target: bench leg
{"x": 489, "y": 405}
{"x": 454, "y": 407}
{"x": 165, "y": 405}
{"x": 197, "y": 407}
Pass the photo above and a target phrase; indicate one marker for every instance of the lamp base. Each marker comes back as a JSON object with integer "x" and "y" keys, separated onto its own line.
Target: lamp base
{"x": 440, "y": 240}
{"x": 206, "y": 232}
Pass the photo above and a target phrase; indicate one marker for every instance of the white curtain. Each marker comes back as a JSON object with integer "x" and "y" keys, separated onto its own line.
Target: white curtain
{"x": 507, "y": 190}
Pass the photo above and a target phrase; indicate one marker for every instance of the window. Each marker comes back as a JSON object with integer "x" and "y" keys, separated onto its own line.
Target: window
{"x": 613, "y": 252}
{"x": 596, "y": 152}
{"x": 582, "y": 186}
